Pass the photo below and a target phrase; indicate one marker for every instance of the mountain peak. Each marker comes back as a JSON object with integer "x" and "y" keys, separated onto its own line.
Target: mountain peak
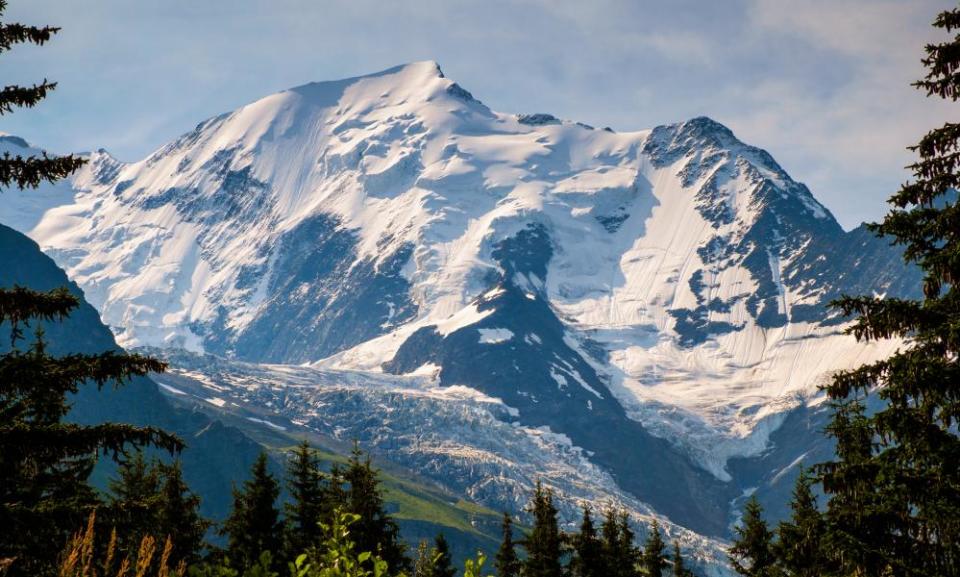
{"x": 411, "y": 81}
{"x": 707, "y": 127}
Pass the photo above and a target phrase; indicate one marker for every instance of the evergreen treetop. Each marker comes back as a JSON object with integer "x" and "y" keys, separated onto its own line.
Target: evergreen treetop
{"x": 441, "y": 562}
{"x": 894, "y": 488}
{"x": 134, "y": 498}
{"x": 752, "y": 552}
{"x": 305, "y": 510}
{"x": 627, "y": 553}
{"x": 178, "y": 516}
{"x": 506, "y": 563}
{"x": 588, "y": 558}
{"x": 375, "y": 530}
{"x": 653, "y": 560}
{"x": 543, "y": 544}
{"x": 799, "y": 549}
{"x": 253, "y": 526}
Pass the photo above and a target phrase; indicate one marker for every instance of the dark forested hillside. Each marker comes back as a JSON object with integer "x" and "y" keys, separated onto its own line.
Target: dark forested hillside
{"x": 208, "y": 467}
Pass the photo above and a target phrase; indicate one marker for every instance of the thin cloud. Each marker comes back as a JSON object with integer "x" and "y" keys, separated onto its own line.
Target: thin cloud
{"x": 823, "y": 85}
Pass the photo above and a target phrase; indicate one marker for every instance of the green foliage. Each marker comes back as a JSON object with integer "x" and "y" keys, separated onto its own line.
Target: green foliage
{"x": 474, "y": 567}
{"x": 653, "y": 560}
{"x": 543, "y": 545}
{"x": 135, "y": 497}
{"x": 253, "y": 526}
{"x": 178, "y": 516}
{"x": 588, "y": 559}
{"x": 152, "y": 499}
{"x": 308, "y": 506}
{"x": 374, "y": 529}
{"x": 620, "y": 556}
{"x": 12, "y": 33}
{"x": 506, "y": 563}
{"x": 799, "y": 548}
{"x": 752, "y": 552}
{"x": 894, "y": 487}
{"x": 441, "y": 564}
{"x": 19, "y": 305}
{"x": 32, "y": 171}
{"x": 262, "y": 567}
{"x": 29, "y": 172}
{"x": 337, "y": 556}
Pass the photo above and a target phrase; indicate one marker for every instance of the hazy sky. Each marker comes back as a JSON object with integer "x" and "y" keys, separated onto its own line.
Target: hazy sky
{"x": 821, "y": 84}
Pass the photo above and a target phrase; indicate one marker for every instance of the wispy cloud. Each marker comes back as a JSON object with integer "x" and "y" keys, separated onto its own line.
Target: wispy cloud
{"x": 822, "y": 84}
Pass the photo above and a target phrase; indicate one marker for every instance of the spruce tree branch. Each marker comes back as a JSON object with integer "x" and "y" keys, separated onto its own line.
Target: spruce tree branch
{"x": 20, "y": 305}
{"x": 882, "y": 318}
{"x": 32, "y": 171}
{"x": 103, "y": 368}
{"x": 70, "y": 440}
{"x": 24, "y": 373}
{"x": 14, "y": 96}
{"x": 11, "y": 34}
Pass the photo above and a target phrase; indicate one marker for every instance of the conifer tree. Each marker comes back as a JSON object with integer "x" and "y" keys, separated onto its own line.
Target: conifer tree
{"x": 178, "y": 517}
{"x": 441, "y": 562}
{"x": 894, "y": 488}
{"x": 620, "y": 556}
{"x": 375, "y": 530}
{"x": 334, "y": 492}
{"x": 627, "y": 552}
{"x": 506, "y": 562}
{"x": 304, "y": 512}
{"x": 588, "y": 559}
{"x": 134, "y": 498}
{"x": 678, "y": 566}
{"x": 253, "y": 527}
{"x": 752, "y": 551}
{"x": 798, "y": 548}
{"x": 44, "y": 462}
{"x": 544, "y": 543}
{"x": 29, "y": 172}
{"x": 610, "y": 542}
{"x": 653, "y": 561}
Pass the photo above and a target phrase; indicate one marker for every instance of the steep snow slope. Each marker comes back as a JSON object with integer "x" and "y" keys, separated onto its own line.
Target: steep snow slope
{"x": 605, "y": 285}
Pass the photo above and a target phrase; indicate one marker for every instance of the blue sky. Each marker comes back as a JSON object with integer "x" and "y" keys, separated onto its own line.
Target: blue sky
{"x": 821, "y": 84}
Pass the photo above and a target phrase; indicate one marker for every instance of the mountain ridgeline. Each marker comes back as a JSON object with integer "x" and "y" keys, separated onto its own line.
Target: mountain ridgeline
{"x": 647, "y": 310}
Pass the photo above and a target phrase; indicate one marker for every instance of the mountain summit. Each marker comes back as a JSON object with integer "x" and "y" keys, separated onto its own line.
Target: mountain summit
{"x": 656, "y": 297}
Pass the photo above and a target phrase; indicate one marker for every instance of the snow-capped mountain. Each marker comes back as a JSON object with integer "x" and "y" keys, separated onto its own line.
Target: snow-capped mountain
{"x": 658, "y": 297}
